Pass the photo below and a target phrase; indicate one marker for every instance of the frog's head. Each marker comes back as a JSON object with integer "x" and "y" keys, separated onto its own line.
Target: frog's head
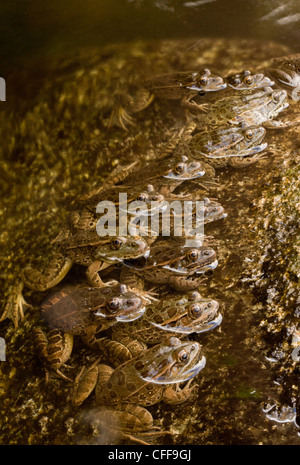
{"x": 277, "y": 101}
{"x": 147, "y": 202}
{"x": 190, "y": 260}
{"x": 186, "y": 314}
{"x": 212, "y": 210}
{"x": 120, "y": 303}
{"x": 170, "y": 362}
{"x": 248, "y": 81}
{"x": 119, "y": 248}
{"x": 184, "y": 168}
{"x": 286, "y": 70}
{"x": 205, "y": 81}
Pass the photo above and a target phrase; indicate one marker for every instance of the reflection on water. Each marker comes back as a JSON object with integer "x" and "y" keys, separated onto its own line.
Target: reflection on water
{"x": 32, "y": 29}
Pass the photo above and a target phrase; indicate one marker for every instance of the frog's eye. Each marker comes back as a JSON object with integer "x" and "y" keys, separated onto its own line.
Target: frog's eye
{"x": 193, "y": 255}
{"x": 194, "y": 295}
{"x": 249, "y": 134}
{"x": 203, "y": 80}
{"x": 179, "y": 168}
{"x": 248, "y": 80}
{"x": 183, "y": 356}
{"x": 206, "y": 252}
{"x": 113, "y": 305}
{"x": 195, "y": 309}
{"x": 117, "y": 243}
{"x": 275, "y": 98}
{"x": 142, "y": 197}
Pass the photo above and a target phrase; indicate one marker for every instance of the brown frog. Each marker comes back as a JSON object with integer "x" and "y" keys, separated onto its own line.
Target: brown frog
{"x": 170, "y": 262}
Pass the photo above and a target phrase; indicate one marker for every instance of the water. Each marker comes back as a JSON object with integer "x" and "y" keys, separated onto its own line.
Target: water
{"x": 49, "y": 155}
{"x": 31, "y": 29}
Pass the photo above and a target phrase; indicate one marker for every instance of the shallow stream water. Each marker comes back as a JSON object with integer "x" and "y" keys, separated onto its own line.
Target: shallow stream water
{"x": 56, "y": 145}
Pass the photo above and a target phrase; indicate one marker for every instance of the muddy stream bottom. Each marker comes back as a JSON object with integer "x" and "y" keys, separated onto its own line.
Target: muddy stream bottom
{"x": 58, "y": 146}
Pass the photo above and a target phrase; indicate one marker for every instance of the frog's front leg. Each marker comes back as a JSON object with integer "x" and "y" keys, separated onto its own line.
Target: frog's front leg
{"x": 54, "y": 274}
{"x": 193, "y": 106}
{"x": 173, "y": 394}
{"x": 93, "y": 276}
{"x": 131, "y": 278}
{"x": 14, "y": 307}
{"x": 241, "y": 162}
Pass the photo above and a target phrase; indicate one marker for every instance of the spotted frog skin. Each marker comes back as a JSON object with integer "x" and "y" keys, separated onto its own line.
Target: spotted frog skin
{"x": 145, "y": 380}
{"x": 167, "y": 174}
{"x": 170, "y": 262}
{"x": 257, "y": 108}
{"x": 247, "y": 81}
{"x": 85, "y": 248}
{"x": 176, "y": 315}
{"x": 185, "y": 85}
{"x": 87, "y": 311}
{"x": 236, "y": 147}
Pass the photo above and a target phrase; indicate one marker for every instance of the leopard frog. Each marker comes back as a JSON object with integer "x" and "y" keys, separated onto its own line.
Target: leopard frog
{"x": 167, "y": 174}
{"x": 170, "y": 262}
{"x": 87, "y": 311}
{"x": 146, "y": 379}
{"x": 246, "y": 81}
{"x": 85, "y": 248}
{"x": 177, "y": 315}
{"x": 286, "y": 72}
{"x": 184, "y": 86}
{"x": 254, "y": 109}
{"x": 227, "y": 146}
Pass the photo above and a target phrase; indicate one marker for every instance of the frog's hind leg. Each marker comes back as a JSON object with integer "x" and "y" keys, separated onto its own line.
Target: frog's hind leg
{"x": 127, "y": 422}
{"x": 14, "y": 307}
{"x": 54, "y": 274}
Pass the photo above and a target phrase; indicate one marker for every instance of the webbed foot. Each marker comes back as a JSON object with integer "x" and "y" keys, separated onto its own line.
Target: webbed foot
{"x": 14, "y": 307}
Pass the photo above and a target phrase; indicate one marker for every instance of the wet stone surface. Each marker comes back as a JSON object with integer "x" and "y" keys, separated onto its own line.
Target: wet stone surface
{"x": 57, "y": 145}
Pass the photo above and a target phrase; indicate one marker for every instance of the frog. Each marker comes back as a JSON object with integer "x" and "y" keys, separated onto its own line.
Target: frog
{"x": 178, "y": 315}
{"x": 286, "y": 72}
{"x": 182, "y": 85}
{"x": 167, "y": 174}
{"x": 85, "y": 248}
{"x": 235, "y": 147}
{"x": 257, "y": 108}
{"x": 185, "y": 85}
{"x": 170, "y": 262}
{"x": 188, "y": 220}
{"x": 247, "y": 80}
{"x": 150, "y": 377}
{"x": 87, "y": 311}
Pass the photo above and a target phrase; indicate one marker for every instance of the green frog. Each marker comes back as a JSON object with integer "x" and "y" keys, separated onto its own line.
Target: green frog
{"x": 170, "y": 262}
{"x": 85, "y": 248}
{"x": 236, "y": 147}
